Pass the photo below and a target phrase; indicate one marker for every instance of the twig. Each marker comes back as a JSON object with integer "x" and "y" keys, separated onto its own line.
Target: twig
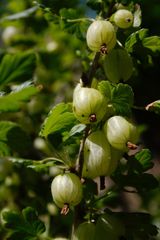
{"x": 80, "y": 160}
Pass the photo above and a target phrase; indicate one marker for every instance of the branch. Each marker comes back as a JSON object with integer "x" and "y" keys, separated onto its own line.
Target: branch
{"x": 80, "y": 160}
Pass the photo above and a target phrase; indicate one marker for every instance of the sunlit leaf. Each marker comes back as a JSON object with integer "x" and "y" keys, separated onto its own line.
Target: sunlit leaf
{"x": 59, "y": 119}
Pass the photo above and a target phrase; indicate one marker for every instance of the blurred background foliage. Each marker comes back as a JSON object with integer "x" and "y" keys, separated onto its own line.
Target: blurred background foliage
{"x": 60, "y": 59}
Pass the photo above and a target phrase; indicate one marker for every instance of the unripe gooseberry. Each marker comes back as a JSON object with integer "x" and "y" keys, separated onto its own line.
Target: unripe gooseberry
{"x": 97, "y": 156}
{"x": 123, "y": 18}
{"x": 101, "y": 36}
{"x": 88, "y": 104}
{"x": 120, "y": 132}
{"x": 85, "y": 230}
{"x": 66, "y": 189}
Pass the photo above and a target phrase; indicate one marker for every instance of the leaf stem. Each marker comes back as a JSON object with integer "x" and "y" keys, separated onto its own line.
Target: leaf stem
{"x": 80, "y": 20}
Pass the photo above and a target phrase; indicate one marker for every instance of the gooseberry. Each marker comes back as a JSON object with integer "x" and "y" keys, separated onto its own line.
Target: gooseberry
{"x": 101, "y": 36}
{"x": 120, "y": 132}
{"x": 88, "y": 104}
{"x": 66, "y": 189}
{"x": 97, "y": 156}
{"x": 123, "y": 18}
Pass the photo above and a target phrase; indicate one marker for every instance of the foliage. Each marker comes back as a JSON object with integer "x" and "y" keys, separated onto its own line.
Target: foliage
{"x": 43, "y": 55}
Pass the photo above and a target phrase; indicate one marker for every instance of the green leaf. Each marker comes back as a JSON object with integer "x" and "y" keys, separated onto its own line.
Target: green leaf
{"x": 154, "y": 107}
{"x": 135, "y": 38}
{"x": 12, "y": 102}
{"x": 72, "y": 22}
{"x": 24, "y": 226}
{"x": 152, "y": 43}
{"x": 17, "y": 67}
{"x": 105, "y": 87}
{"x": 38, "y": 166}
{"x": 77, "y": 129}
{"x": 20, "y": 15}
{"x": 59, "y": 119}
{"x": 122, "y": 99}
{"x": 12, "y": 138}
{"x": 144, "y": 157}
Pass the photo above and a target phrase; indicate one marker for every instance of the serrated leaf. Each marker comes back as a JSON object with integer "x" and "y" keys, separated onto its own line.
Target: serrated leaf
{"x": 17, "y": 67}
{"x": 12, "y": 138}
{"x": 135, "y": 38}
{"x": 26, "y": 224}
{"x": 60, "y": 118}
{"x": 71, "y": 22}
{"x": 105, "y": 87}
{"x": 154, "y": 107}
{"x": 144, "y": 157}
{"x": 152, "y": 43}
{"x": 122, "y": 99}
{"x": 12, "y": 102}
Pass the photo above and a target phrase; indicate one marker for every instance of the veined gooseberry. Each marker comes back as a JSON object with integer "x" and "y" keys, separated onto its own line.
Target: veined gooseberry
{"x": 85, "y": 230}
{"x": 101, "y": 36}
{"x": 120, "y": 132}
{"x": 123, "y": 18}
{"x": 66, "y": 189}
{"x": 97, "y": 156}
{"x": 88, "y": 104}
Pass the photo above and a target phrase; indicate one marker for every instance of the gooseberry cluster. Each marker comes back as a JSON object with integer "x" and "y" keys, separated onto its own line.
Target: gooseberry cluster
{"x": 108, "y": 137}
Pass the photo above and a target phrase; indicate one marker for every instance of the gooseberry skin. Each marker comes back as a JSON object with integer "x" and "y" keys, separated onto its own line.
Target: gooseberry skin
{"x": 66, "y": 189}
{"x": 97, "y": 156}
{"x": 123, "y": 18}
{"x": 88, "y": 102}
{"x": 119, "y": 132}
{"x": 101, "y": 33}
{"x": 85, "y": 230}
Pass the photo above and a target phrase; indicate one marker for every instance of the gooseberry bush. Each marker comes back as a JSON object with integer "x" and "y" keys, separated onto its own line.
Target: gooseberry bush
{"x": 74, "y": 161}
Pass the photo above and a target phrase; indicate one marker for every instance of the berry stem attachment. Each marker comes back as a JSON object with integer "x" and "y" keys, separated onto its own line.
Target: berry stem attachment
{"x": 132, "y": 146}
{"x": 65, "y": 209}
